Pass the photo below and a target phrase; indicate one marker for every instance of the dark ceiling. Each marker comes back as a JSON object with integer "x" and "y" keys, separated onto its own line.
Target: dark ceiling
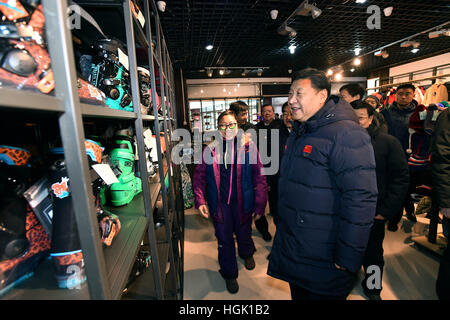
{"x": 243, "y": 34}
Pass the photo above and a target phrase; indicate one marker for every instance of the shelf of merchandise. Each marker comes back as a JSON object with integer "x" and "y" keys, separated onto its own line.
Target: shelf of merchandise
{"x": 107, "y": 269}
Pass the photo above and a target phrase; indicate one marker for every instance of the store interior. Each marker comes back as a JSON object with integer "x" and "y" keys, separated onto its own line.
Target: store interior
{"x": 93, "y": 204}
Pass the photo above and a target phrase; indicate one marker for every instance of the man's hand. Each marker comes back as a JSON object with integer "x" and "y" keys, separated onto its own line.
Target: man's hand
{"x": 379, "y": 217}
{"x": 203, "y": 209}
{"x": 339, "y": 267}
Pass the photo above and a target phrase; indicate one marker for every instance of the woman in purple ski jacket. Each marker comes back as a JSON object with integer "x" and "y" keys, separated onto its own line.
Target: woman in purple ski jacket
{"x": 229, "y": 185}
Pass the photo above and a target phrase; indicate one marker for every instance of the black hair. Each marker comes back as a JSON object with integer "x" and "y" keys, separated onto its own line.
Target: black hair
{"x": 407, "y": 86}
{"x": 226, "y": 113}
{"x": 319, "y": 79}
{"x": 267, "y": 105}
{"x": 353, "y": 89}
{"x": 286, "y": 104}
{"x": 238, "y": 107}
{"x": 359, "y": 104}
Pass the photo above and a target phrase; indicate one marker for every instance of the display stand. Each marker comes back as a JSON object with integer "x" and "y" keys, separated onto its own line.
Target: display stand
{"x": 108, "y": 269}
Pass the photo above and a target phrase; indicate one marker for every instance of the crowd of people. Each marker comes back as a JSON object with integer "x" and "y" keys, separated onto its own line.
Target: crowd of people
{"x": 345, "y": 174}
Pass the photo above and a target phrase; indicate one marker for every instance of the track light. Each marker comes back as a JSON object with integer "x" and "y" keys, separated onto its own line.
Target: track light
{"x": 221, "y": 72}
{"x": 330, "y": 72}
{"x": 382, "y": 53}
{"x": 415, "y": 50}
{"x": 259, "y": 72}
{"x": 161, "y": 6}
{"x": 306, "y": 9}
{"x": 209, "y": 72}
{"x": 292, "y": 49}
{"x": 409, "y": 43}
{"x": 209, "y": 47}
{"x": 274, "y": 14}
{"x": 285, "y": 30}
{"x": 438, "y": 33}
{"x": 352, "y": 70}
{"x": 357, "y": 51}
{"x": 357, "y": 62}
{"x": 338, "y": 76}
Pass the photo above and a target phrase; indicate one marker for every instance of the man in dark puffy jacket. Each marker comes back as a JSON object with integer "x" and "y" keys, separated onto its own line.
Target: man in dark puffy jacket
{"x": 440, "y": 170}
{"x": 392, "y": 182}
{"x": 397, "y": 116}
{"x": 327, "y": 194}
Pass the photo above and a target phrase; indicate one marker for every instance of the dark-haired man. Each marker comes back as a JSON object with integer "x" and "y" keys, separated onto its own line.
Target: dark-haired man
{"x": 327, "y": 194}
{"x": 240, "y": 108}
{"x": 397, "y": 116}
{"x": 392, "y": 183}
{"x": 352, "y": 92}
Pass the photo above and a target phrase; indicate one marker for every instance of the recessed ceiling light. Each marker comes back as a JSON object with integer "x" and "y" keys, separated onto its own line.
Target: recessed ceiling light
{"x": 209, "y": 47}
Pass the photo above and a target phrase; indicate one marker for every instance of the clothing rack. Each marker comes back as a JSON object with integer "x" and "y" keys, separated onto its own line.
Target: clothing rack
{"x": 410, "y": 81}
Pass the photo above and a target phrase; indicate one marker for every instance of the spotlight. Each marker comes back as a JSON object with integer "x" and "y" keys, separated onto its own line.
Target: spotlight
{"x": 415, "y": 50}
{"x": 209, "y": 47}
{"x": 161, "y": 6}
{"x": 438, "y": 33}
{"x": 409, "y": 43}
{"x": 357, "y": 51}
{"x": 290, "y": 71}
{"x": 338, "y": 76}
{"x": 330, "y": 72}
{"x": 306, "y": 9}
{"x": 388, "y": 11}
{"x": 360, "y": 1}
{"x": 259, "y": 72}
{"x": 285, "y": 30}
{"x": 274, "y": 14}
{"x": 292, "y": 49}
{"x": 357, "y": 62}
{"x": 352, "y": 70}
{"x": 382, "y": 53}
{"x": 221, "y": 72}
{"x": 209, "y": 72}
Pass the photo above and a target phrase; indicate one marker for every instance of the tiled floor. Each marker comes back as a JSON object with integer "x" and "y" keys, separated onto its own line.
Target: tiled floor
{"x": 410, "y": 273}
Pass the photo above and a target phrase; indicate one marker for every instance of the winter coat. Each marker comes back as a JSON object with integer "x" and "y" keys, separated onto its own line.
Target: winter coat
{"x": 440, "y": 159}
{"x": 327, "y": 201}
{"x": 252, "y": 193}
{"x": 398, "y": 122}
{"x": 392, "y": 171}
{"x": 435, "y": 94}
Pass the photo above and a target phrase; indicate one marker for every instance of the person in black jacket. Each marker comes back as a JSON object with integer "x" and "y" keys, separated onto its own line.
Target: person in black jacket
{"x": 268, "y": 123}
{"x": 392, "y": 183}
{"x": 440, "y": 171}
{"x": 327, "y": 194}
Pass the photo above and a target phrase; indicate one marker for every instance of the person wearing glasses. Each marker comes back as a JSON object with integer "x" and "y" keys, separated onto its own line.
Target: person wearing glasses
{"x": 397, "y": 116}
{"x": 231, "y": 189}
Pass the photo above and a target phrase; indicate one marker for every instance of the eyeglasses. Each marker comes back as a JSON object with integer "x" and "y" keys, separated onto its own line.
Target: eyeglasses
{"x": 224, "y": 126}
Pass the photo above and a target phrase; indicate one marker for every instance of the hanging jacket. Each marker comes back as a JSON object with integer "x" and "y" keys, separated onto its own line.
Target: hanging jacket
{"x": 251, "y": 184}
{"x": 440, "y": 159}
{"x": 327, "y": 201}
{"x": 398, "y": 122}
{"x": 391, "y": 169}
{"x": 435, "y": 94}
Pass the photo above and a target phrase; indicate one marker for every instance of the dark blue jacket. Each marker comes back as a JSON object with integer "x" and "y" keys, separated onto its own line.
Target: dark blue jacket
{"x": 398, "y": 122}
{"x": 327, "y": 201}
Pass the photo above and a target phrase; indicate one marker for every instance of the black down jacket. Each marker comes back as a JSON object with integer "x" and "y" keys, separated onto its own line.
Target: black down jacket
{"x": 392, "y": 171}
{"x": 327, "y": 200}
{"x": 440, "y": 159}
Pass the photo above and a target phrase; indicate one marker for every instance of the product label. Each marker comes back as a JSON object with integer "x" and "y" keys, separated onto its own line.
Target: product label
{"x": 105, "y": 172}
{"x": 61, "y": 189}
{"x": 123, "y": 59}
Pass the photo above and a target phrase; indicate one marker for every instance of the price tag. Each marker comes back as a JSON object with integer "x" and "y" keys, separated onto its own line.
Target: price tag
{"x": 123, "y": 59}
{"x": 435, "y": 115}
{"x": 141, "y": 19}
{"x": 105, "y": 172}
{"x": 423, "y": 115}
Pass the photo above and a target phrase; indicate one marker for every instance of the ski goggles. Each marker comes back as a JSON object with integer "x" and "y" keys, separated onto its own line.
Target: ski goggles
{"x": 17, "y": 61}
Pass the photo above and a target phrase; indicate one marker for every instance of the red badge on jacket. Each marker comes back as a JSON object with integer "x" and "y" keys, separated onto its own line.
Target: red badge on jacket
{"x": 307, "y": 150}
